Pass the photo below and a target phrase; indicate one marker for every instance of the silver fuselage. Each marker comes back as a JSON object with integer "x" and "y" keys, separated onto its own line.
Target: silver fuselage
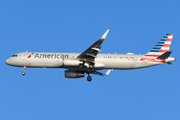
{"x": 102, "y": 61}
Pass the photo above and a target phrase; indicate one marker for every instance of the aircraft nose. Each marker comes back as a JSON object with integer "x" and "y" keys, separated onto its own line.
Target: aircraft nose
{"x": 8, "y": 61}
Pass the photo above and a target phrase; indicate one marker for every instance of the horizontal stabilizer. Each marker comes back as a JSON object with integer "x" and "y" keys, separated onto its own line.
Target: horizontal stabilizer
{"x": 165, "y": 55}
{"x": 169, "y": 63}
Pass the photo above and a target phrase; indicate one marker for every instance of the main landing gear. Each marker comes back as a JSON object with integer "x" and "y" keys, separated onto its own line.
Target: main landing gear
{"x": 23, "y": 73}
{"x": 88, "y": 71}
{"x": 89, "y": 78}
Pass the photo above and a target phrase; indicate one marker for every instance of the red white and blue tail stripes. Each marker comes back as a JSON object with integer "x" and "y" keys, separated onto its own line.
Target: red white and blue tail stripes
{"x": 164, "y": 44}
{"x": 161, "y": 47}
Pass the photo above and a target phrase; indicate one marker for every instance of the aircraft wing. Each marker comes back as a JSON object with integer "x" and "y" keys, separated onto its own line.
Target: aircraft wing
{"x": 89, "y": 54}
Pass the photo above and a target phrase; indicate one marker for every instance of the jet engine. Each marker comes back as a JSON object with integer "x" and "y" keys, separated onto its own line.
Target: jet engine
{"x": 72, "y": 62}
{"x": 73, "y": 74}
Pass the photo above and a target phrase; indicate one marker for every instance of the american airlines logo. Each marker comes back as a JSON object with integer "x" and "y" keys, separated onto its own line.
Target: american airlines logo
{"x": 51, "y": 56}
{"x": 30, "y": 55}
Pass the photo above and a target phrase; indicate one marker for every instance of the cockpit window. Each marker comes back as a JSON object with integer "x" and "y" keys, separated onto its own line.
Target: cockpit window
{"x": 14, "y": 56}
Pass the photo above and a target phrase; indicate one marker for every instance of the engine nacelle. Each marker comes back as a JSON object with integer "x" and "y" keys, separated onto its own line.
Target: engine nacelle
{"x": 72, "y": 62}
{"x": 73, "y": 74}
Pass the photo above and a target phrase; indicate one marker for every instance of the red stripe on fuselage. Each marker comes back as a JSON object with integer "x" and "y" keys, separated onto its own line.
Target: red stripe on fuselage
{"x": 151, "y": 60}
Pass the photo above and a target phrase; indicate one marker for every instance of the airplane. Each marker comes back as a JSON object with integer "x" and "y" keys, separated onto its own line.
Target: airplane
{"x": 90, "y": 61}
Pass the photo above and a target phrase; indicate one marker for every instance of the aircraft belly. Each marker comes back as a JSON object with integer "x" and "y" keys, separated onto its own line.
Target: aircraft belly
{"x": 142, "y": 65}
{"x": 118, "y": 64}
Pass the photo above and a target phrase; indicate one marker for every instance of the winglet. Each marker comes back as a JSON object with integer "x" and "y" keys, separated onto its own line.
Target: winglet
{"x": 105, "y": 34}
{"x": 108, "y": 72}
{"x": 102, "y": 74}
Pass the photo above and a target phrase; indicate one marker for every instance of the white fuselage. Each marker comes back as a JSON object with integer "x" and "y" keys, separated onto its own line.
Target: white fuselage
{"x": 102, "y": 61}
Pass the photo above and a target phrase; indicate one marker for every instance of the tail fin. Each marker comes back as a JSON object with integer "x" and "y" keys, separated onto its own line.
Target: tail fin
{"x": 161, "y": 47}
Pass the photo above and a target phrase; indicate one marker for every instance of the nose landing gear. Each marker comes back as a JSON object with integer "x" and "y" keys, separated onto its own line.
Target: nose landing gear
{"x": 23, "y": 73}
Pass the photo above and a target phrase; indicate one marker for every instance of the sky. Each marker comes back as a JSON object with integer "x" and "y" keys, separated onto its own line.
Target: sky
{"x": 72, "y": 26}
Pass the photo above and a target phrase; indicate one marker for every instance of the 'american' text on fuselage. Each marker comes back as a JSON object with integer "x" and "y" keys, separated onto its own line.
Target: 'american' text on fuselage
{"x": 51, "y": 56}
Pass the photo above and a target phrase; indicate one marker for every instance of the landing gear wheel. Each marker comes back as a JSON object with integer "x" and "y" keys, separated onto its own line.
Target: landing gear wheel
{"x": 89, "y": 78}
{"x": 23, "y": 73}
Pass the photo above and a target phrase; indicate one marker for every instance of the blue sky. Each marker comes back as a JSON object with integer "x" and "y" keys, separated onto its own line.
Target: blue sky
{"x": 72, "y": 26}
